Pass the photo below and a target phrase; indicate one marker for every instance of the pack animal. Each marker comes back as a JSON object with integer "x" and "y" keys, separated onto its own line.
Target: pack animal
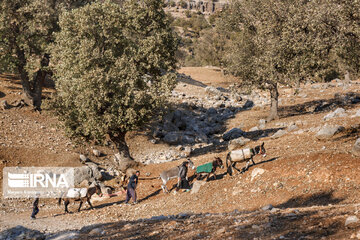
{"x": 172, "y": 173}
{"x": 243, "y": 155}
{"x": 208, "y": 169}
{"x": 79, "y": 194}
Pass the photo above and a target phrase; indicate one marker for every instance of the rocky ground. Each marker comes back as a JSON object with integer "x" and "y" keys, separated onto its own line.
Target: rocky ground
{"x": 310, "y": 175}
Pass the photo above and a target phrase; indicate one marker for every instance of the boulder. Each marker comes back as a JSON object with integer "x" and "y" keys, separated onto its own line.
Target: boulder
{"x": 292, "y": 127}
{"x": 88, "y": 173}
{"x": 172, "y": 138}
{"x": 279, "y": 134}
{"x": 328, "y": 131}
{"x": 20, "y": 232}
{"x": 351, "y": 220}
{"x": 237, "y": 143}
{"x": 196, "y": 186}
{"x": 339, "y": 112}
{"x": 83, "y": 158}
{"x": 96, "y": 153}
{"x": 262, "y": 123}
{"x": 356, "y": 148}
{"x": 248, "y": 104}
{"x": 256, "y": 172}
{"x": 233, "y": 133}
{"x": 212, "y": 91}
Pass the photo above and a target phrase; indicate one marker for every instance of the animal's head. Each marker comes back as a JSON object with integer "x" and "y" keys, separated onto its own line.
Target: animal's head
{"x": 97, "y": 188}
{"x": 191, "y": 164}
{"x": 219, "y": 162}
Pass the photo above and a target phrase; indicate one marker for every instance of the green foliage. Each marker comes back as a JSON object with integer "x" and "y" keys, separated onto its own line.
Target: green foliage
{"x": 285, "y": 41}
{"x": 195, "y": 23}
{"x": 112, "y": 67}
{"x": 26, "y": 30}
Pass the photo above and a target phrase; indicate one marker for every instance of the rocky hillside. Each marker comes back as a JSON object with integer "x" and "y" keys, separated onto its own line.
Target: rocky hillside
{"x": 307, "y": 187}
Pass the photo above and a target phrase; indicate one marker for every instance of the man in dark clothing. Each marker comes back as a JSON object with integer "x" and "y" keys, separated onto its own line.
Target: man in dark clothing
{"x": 131, "y": 187}
{"x": 182, "y": 178}
{"x": 35, "y": 208}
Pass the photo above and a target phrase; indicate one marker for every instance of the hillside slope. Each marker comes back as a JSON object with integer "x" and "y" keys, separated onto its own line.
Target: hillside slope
{"x": 312, "y": 184}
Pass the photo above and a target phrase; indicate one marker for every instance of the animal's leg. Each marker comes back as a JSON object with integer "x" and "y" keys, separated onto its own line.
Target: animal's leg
{"x": 253, "y": 161}
{"x": 246, "y": 167}
{"x": 66, "y": 203}
{"x": 163, "y": 186}
{"x": 234, "y": 166}
{"x": 81, "y": 202}
{"x": 88, "y": 201}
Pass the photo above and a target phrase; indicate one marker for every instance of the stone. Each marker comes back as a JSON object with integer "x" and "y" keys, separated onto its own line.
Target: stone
{"x": 327, "y": 131}
{"x": 350, "y": 220}
{"x": 83, "y": 158}
{"x": 357, "y": 114}
{"x": 96, "y": 153}
{"x": 97, "y": 231}
{"x": 262, "y": 123}
{"x": 248, "y": 104}
{"x": 88, "y": 173}
{"x": 212, "y": 91}
{"x": 5, "y": 105}
{"x": 278, "y": 134}
{"x": 66, "y": 235}
{"x": 292, "y": 127}
{"x": 253, "y": 129}
{"x": 20, "y": 232}
{"x": 267, "y": 207}
{"x": 256, "y": 172}
{"x": 196, "y": 186}
{"x": 237, "y": 143}
{"x": 172, "y": 138}
{"x": 233, "y": 133}
{"x": 356, "y": 148}
{"x": 339, "y": 112}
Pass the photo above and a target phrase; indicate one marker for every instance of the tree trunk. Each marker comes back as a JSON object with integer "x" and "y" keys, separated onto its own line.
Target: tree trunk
{"x": 123, "y": 158}
{"x": 31, "y": 92}
{"x": 274, "y": 94}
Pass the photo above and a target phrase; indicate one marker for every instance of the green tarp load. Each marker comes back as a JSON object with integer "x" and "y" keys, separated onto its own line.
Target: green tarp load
{"x": 207, "y": 167}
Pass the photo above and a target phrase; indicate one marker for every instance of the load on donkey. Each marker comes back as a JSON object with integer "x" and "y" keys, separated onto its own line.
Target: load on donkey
{"x": 243, "y": 155}
{"x": 208, "y": 168}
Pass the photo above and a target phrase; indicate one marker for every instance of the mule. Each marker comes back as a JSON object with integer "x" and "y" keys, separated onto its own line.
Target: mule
{"x": 208, "y": 169}
{"x": 79, "y": 194}
{"x": 166, "y": 175}
{"x": 243, "y": 155}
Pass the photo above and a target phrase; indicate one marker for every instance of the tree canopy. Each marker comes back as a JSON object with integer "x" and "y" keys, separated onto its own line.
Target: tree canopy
{"x": 288, "y": 41}
{"x": 113, "y": 68}
{"x": 26, "y": 30}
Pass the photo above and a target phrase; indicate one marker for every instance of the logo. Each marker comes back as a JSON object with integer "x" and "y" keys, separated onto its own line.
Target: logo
{"x": 36, "y": 181}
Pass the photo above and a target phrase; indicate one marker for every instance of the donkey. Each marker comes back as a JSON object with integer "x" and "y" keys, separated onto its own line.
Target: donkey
{"x": 172, "y": 173}
{"x": 79, "y": 194}
{"x": 243, "y": 155}
{"x": 209, "y": 168}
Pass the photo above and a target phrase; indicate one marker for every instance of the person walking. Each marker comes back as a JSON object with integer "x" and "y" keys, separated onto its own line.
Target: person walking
{"x": 131, "y": 188}
{"x": 35, "y": 208}
{"x": 183, "y": 182}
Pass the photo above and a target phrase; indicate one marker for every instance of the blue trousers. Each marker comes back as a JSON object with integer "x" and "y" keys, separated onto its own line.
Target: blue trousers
{"x": 130, "y": 193}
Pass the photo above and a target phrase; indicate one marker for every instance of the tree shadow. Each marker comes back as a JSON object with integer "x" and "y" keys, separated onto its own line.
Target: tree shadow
{"x": 349, "y": 134}
{"x": 323, "y": 198}
{"x": 189, "y": 80}
{"x": 348, "y": 100}
{"x": 2, "y": 94}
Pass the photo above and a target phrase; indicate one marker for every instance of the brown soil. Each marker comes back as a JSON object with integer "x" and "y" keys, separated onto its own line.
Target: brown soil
{"x": 316, "y": 181}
